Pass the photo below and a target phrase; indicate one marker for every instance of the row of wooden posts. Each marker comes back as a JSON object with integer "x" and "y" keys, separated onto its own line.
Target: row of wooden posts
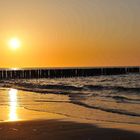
{"x": 64, "y": 72}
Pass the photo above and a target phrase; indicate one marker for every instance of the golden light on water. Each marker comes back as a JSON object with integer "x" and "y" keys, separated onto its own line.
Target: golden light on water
{"x": 14, "y": 68}
{"x": 13, "y": 105}
{"x": 14, "y": 43}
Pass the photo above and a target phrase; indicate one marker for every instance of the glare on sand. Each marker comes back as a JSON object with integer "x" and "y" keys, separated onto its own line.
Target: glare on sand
{"x": 14, "y": 43}
{"x": 13, "y": 105}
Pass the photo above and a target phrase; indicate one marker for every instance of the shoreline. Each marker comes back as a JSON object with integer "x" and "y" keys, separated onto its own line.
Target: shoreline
{"x": 18, "y": 122}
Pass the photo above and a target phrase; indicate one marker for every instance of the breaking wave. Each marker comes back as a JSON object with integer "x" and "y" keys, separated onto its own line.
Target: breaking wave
{"x": 124, "y": 90}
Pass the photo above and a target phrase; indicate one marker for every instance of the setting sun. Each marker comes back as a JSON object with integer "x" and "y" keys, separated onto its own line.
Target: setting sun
{"x": 14, "y": 43}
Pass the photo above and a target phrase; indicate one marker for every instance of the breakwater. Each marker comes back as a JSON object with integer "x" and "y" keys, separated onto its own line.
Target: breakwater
{"x": 64, "y": 72}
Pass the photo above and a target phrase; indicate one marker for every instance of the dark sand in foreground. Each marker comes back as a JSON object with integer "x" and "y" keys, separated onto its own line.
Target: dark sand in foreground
{"x": 61, "y": 130}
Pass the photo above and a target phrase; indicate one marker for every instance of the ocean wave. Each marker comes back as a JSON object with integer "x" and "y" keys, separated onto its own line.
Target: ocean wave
{"x": 122, "y": 98}
{"x": 39, "y": 86}
{"x": 101, "y": 93}
{"x": 117, "y": 88}
{"x": 111, "y": 110}
{"x": 30, "y": 85}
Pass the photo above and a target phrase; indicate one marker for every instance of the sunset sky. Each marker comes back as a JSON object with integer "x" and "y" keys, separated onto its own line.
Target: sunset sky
{"x": 66, "y": 33}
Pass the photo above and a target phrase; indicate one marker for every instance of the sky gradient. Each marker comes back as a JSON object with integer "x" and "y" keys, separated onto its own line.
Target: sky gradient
{"x": 66, "y": 33}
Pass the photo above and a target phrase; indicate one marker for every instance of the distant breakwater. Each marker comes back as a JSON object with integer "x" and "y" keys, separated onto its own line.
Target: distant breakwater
{"x": 64, "y": 72}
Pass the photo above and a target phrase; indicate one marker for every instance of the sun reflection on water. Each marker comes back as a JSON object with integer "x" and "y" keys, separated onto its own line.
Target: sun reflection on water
{"x": 13, "y": 105}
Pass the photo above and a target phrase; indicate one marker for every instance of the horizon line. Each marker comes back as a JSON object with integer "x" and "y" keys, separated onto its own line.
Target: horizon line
{"x": 70, "y": 67}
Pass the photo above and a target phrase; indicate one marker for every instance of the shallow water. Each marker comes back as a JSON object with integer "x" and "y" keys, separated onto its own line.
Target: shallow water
{"x": 118, "y": 95}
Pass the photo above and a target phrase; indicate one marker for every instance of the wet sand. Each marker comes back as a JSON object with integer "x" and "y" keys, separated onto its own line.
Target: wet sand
{"x": 17, "y": 122}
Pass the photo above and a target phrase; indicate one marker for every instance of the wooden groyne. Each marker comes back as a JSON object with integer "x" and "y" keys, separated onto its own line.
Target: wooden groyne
{"x": 64, "y": 72}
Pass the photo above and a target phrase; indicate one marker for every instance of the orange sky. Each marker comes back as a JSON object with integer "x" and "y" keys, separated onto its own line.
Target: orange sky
{"x": 63, "y": 33}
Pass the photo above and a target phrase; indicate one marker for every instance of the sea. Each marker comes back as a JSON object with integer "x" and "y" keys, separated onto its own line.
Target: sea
{"x": 114, "y": 94}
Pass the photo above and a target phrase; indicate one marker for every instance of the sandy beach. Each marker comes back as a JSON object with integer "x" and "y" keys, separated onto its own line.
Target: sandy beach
{"x": 61, "y": 130}
{"x": 19, "y": 122}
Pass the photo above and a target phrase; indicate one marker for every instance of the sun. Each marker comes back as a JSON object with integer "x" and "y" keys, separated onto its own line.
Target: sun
{"x": 14, "y": 43}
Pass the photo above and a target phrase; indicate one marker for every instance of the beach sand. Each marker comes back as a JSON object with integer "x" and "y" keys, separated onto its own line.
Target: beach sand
{"x": 19, "y": 123}
{"x": 61, "y": 130}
